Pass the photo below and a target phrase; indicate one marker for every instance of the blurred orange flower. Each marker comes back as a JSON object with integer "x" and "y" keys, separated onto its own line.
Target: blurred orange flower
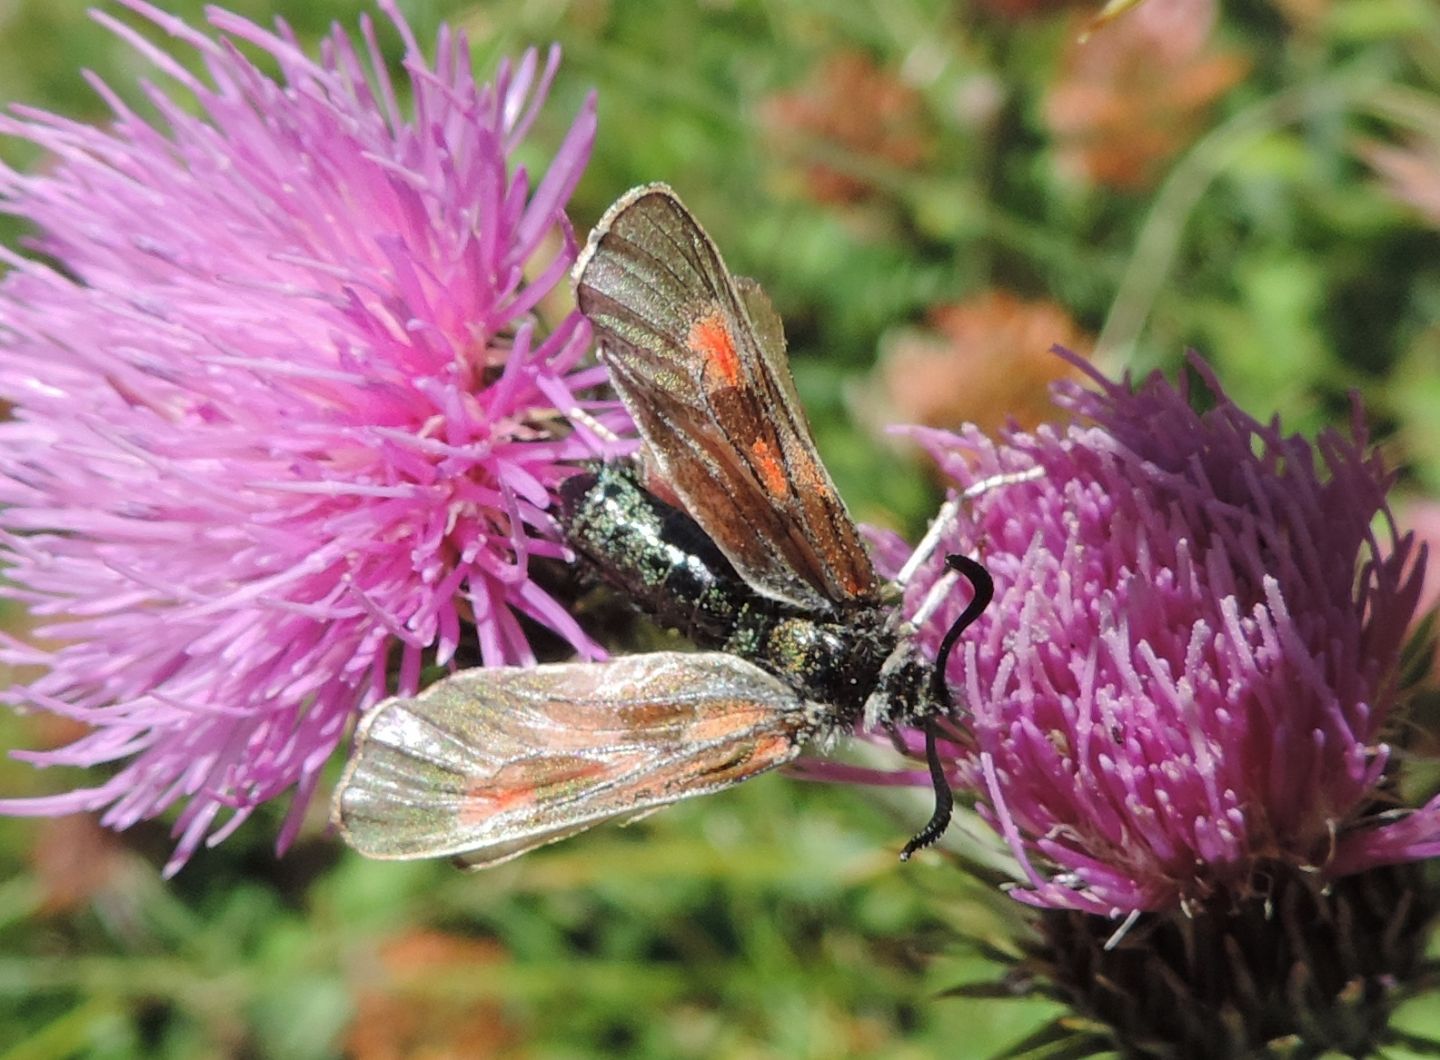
{"x": 1411, "y": 173}
{"x": 75, "y": 860}
{"x": 1130, "y": 98}
{"x": 984, "y": 361}
{"x": 404, "y": 1010}
{"x": 848, "y": 109}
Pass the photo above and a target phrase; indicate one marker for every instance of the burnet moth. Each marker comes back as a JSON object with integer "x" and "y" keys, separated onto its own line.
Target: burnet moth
{"x": 758, "y": 563}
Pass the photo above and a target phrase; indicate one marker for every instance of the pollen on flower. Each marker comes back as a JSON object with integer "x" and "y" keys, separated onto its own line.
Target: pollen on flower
{"x": 281, "y": 415}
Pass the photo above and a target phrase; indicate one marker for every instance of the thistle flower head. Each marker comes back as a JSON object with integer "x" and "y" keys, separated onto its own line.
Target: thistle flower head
{"x": 1191, "y": 658}
{"x": 279, "y": 405}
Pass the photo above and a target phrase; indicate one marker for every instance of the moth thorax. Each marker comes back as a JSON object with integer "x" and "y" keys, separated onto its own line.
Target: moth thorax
{"x": 835, "y": 663}
{"x": 902, "y": 692}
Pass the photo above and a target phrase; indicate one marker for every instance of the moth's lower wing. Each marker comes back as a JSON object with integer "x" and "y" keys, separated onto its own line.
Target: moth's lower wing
{"x": 715, "y": 403}
{"x": 491, "y": 763}
{"x": 499, "y": 853}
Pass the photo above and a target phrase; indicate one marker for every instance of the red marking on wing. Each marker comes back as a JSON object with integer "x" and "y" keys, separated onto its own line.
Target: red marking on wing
{"x": 772, "y": 471}
{"x": 710, "y": 338}
{"x": 807, "y": 473}
{"x": 772, "y": 750}
{"x": 713, "y": 727}
{"x": 744, "y": 761}
{"x": 519, "y": 784}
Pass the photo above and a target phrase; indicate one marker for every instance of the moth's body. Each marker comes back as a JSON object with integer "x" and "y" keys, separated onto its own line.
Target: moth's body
{"x": 656, "y": 555}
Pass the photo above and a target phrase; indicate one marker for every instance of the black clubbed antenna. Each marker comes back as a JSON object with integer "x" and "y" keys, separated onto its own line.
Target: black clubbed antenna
{"x": 983, "y": 589}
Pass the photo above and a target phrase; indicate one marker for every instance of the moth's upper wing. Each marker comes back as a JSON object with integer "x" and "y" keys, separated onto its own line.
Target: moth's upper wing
{"x": 698, "y": 358}
{"x": 491, "y": 763}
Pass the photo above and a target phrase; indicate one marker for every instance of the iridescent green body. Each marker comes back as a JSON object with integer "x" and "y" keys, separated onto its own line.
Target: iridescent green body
{"x": 657, "y": 556}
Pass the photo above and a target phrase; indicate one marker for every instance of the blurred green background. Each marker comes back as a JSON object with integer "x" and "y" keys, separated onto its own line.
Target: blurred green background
{"x": 932, "y": 193}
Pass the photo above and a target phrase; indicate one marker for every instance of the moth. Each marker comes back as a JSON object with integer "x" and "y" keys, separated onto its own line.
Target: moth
{"x": 744, "y": 545}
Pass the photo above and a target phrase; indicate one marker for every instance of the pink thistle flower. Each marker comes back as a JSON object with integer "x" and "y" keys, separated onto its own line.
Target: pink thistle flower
{"x": 279, "y": 413}
{"x": 1193, "y": 651}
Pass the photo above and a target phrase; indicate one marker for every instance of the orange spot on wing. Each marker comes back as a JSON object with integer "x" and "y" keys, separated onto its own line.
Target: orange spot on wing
{"x": 772, "y": 471}
{"x": 520, "y": 784}
{"x": 808, "y": 474}
{"x": 718, "y": 727}
{"x": 774, "y": 749}
{"x": 711, "y": 339}
{"x": 747, "y": 758}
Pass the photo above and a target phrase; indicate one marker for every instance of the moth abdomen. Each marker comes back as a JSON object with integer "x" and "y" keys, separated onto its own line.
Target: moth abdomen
{"x": 652, "y": 553}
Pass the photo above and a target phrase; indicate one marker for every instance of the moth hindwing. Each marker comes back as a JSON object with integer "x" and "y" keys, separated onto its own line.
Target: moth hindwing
{"x": 491, "y": 763}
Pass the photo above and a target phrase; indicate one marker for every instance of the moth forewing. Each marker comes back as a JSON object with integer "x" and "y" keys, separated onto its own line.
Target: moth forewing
{"x": 488, "y": 764}
{"x": 697, "y": 357}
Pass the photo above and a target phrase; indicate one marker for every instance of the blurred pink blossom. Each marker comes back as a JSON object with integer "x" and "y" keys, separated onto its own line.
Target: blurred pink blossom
{"x": 1410, "y": 174}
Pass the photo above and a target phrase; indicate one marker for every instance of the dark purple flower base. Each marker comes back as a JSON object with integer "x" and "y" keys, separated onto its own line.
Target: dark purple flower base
{"x": 1300, "y": 970}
